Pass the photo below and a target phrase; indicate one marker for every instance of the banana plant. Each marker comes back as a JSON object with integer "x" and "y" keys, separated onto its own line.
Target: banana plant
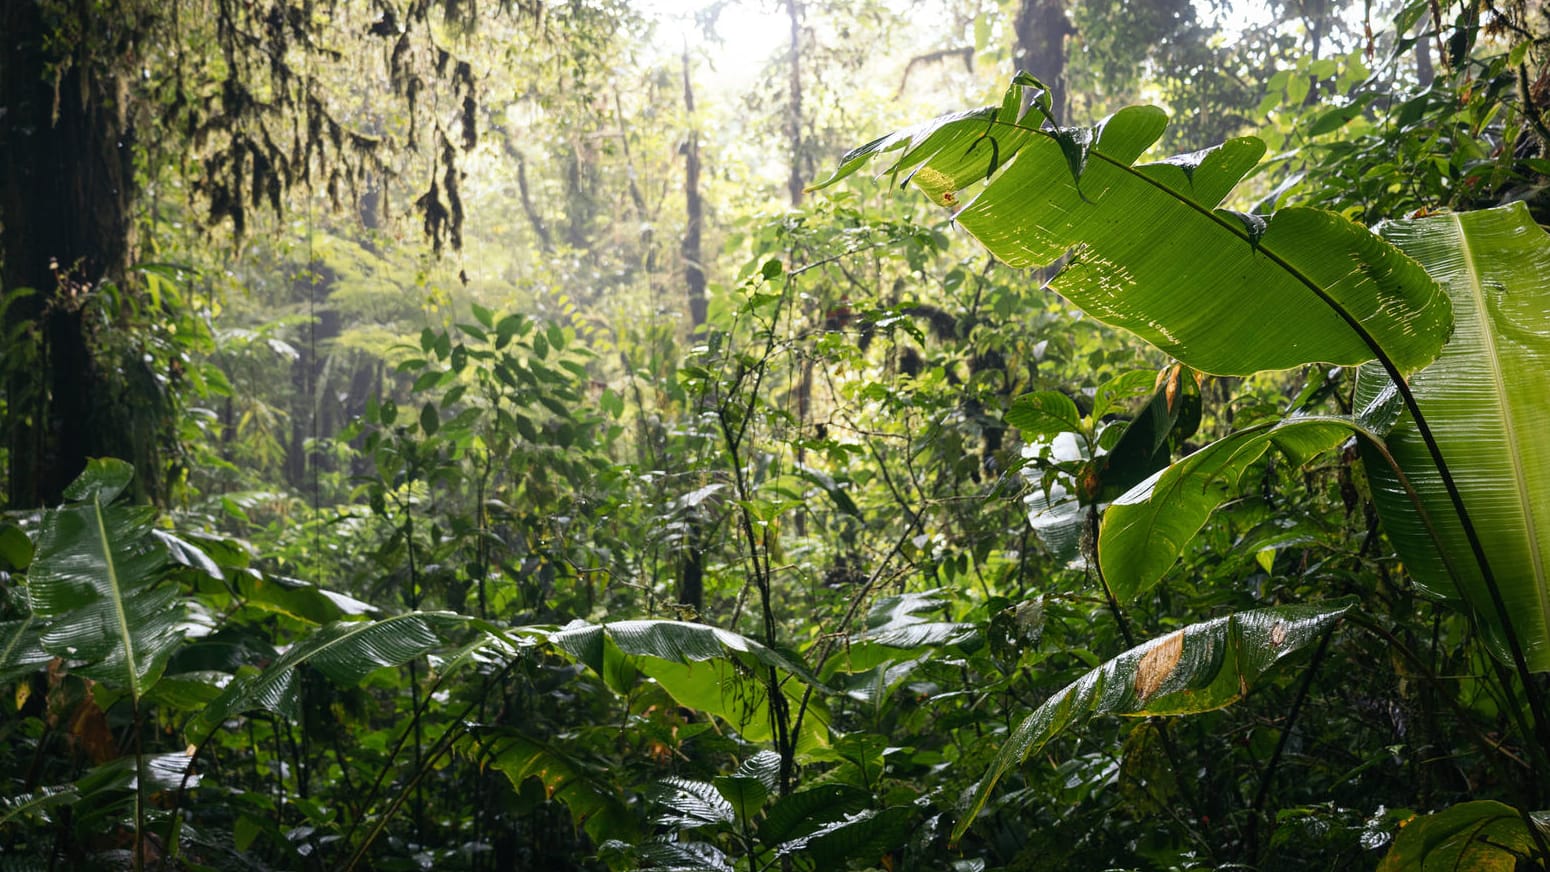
{"x": 1148, "y": 247}
{"x": 1487, "y": 398}
{"x": 102, "y": 602}
{"x": 97, "y": 583}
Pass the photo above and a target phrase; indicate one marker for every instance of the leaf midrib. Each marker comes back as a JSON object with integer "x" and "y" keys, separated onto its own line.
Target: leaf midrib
{"x": 1504, "y": 409}
{"x": 117, "y": 596}
{"x": 1351, "y": 320}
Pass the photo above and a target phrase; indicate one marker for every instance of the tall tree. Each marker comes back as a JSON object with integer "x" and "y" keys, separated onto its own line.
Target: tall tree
{"x": 694, "y": 210}
{"x": 234, "y": 84}
{"x": 65, "y": 200}
{"x": 1040, "y": 30}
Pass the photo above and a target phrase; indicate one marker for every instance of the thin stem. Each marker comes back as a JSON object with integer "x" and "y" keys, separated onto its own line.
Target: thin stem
{"x": 1268, "y": 775}
{"x": 1158, "y": 725}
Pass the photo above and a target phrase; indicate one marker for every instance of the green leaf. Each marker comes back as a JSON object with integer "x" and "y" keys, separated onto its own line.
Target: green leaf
{"x": 96, "y": 581}
{"x": 677, "y": 641}
{"x": 688, "y": 804}
{"x": 345, "y": 652}
{"x": 34, "y": 805}
{"x": 745, "y": 793}
{"x": 1481, "y": 836}
{"x": 1334, "y": 119}
{"x": 1210, "y": 174}
{"x": 704, "y": 668}
{"x": 1172, "y": 416}
{"x": 944, "y": 155}
{"x": 866, "y": 835}
{"x": 1487, "y": 398}
{"x": 662, "y": 855}
{"x": 895, "y": 622}
{"x": 594, "y": 802}
{"x": 805, "y": 811}
{"x": 1201, "y": 667}
{"x": 483, "y": 316}
{"x": 15, "y": 548}
{"x": 21, "y": 649}
{"x": 1147, "y": 255}
{"x": 1146, "y": 529}
{"x": 186, "y": 553}
{"x": 728, "y": 691}
{"x": 1044, "y": 413}
{"x": 298, "y": 599}
{"x": 1125, "y": 386}
{"x": 104, "y": 478}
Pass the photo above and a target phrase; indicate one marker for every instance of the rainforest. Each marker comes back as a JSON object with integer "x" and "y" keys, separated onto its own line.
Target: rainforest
{"x": 791, "y": 435}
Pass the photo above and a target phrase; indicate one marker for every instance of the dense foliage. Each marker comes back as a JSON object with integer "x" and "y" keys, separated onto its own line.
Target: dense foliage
{"x": 657, "y": 512}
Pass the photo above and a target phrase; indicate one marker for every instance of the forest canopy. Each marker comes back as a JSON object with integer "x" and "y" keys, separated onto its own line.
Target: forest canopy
{"x": 887, "y": 435}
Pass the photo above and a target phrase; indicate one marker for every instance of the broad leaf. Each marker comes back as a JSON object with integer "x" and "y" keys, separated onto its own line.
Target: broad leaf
{"x": 1044, "y": 414}
{"x": 1482, "y": 836}
{"x": 895, "y": 629}
{"x": 96, "y": 579}
{"x": 298, "y": 599}
{"x": 704, "y": 668}
{"x": 21, "y": 649}
{"x": 748, "y": 787}
{"x": 593, "y": 801}
{"x": 35, "y": 804}
{"x": 866, "y": 835}
{"x": 664, "y": 855}
{"x": 1487, "y": 400}
{"x": 896, "y": 622}
{"x": 345, "y": 652}
{"x": 687, "y": 804}
{"x": 802, "y": 813}
{"x": 1147, "y": 249}
{"x": 1201, "y": 667}
{"x": 15, "y": 548}
{"x": 1172, "y": 416}
{"x": 1146, "y": 529}
{"x": 678, "y": 641}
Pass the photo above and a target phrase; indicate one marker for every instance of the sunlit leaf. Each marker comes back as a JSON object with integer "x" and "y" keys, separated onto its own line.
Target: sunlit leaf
{"x": 1145, "y": 530}
{"x": 1487, "y": 399}
{"x": 1147, "y": 250}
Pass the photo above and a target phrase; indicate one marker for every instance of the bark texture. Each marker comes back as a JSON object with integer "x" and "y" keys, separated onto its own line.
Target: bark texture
{"x": 65, "y": 199}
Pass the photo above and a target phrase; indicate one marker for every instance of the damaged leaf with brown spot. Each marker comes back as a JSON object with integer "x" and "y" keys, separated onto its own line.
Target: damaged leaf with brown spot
{"x": 1199, "y": 668}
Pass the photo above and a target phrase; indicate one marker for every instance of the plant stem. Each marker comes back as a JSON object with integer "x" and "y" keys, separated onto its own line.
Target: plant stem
{"x": 1268, "y": 775}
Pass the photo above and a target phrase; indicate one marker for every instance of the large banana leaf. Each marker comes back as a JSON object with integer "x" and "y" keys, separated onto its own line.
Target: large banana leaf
{"x": 1149, "y": 251}
{"x": 346, "y": 652}
{"x": 1487, "y": 400}
{"x": 1201, "y": 667}
{"x": 97, "y": 581}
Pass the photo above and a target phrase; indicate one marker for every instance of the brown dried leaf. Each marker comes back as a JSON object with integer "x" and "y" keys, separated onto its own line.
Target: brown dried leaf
{"x": 1157, "y": 664}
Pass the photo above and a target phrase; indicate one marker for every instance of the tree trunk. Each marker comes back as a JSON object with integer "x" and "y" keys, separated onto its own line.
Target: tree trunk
{"x": 65, "y": 197}
{"x": 694, "y": 213}
{"x": 1041, "y": 31}
{"x": 794, "y": 118}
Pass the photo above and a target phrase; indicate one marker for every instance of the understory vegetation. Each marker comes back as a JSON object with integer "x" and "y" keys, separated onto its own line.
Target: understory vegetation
{"x": 501, "y": 436}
